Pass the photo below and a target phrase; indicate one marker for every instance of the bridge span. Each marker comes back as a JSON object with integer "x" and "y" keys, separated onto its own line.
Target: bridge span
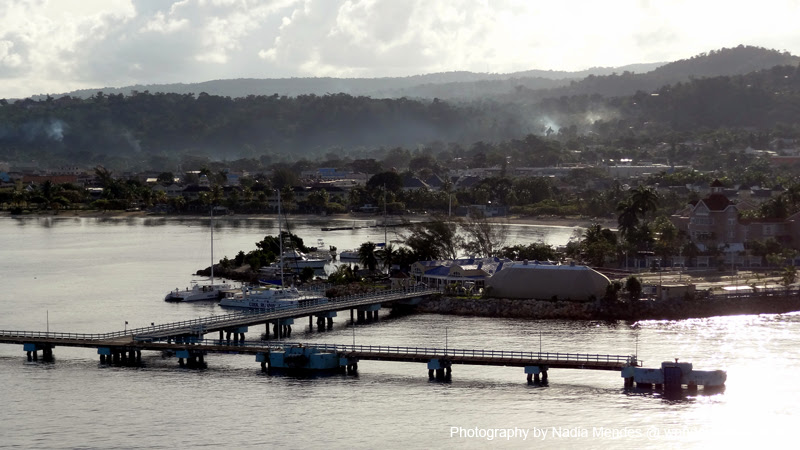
{"x": 186, "y": 341}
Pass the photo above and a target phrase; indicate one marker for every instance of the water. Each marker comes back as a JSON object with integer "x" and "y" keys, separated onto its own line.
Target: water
{"x": 92, "y": 275}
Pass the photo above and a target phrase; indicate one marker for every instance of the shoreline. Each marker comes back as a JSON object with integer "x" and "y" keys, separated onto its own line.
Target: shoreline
{"x": 565, "y": 222}
{"x": 600, "y": 310}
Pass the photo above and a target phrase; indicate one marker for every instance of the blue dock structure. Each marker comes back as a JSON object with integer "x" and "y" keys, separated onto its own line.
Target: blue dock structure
{"x": 186, "y": 341}
{"x": 115, "y": 348}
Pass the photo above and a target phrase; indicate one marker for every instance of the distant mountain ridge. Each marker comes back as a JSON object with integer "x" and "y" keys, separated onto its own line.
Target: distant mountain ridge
{"x": 411, "y": 86}
{"x": 465, "y": 86}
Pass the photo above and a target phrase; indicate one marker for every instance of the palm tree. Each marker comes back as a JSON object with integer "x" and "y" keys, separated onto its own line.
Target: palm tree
{"x": 388, "y": 255}
{"x": 627, "y": 219}
{"x": 366, "y": 254}
{"x": 644, "y": 199}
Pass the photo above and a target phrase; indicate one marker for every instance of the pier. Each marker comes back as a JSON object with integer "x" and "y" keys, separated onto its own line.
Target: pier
{"x": 186, "y": 340}
{"x": 305, "y": 357}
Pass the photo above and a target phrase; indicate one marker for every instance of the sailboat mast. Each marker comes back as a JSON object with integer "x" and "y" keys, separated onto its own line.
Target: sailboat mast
{"x": 212, "y": 245}
{"x": 280, "y": 234}
{"x": 385, "y": 242}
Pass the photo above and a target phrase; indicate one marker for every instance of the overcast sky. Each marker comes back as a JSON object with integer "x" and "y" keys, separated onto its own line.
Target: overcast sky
{"x": 55, "y": 46}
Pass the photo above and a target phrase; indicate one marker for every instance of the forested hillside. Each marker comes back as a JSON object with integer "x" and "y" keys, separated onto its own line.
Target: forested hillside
{"x": 148, "y": 129}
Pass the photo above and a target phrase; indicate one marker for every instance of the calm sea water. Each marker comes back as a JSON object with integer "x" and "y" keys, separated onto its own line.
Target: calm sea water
{"x": 93, "y": 275}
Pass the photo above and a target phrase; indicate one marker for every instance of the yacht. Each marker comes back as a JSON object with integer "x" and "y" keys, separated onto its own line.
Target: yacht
{"x": 299, "y": 260}
{"x": 198, "y": 292}
{"x": 267, "y": 298}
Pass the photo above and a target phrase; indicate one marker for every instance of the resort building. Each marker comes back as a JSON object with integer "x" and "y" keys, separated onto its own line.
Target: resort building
{"x": 469, "y": 271}
{"x": 542, "y": 281}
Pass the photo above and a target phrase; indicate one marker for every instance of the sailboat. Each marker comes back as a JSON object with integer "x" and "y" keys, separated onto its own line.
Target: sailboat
{"x": 266, "y": 297}
{"x": 200, "y": 292}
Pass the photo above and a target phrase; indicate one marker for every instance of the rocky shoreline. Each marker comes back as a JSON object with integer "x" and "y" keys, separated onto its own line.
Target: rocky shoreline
{"x": 603, "y": 310}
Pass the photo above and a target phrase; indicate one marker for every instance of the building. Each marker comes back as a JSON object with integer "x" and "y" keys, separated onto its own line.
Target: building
{"x": 459, "y": 271}
{"x": 715, "y": 221}
{"x": 541, "y": 281}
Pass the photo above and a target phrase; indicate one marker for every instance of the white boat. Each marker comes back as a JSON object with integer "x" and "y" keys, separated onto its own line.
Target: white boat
{"x": 199, "y": 292}
{"x": 266, "y": 298}
{"x": 299, "y": 260}
{"x": 349, "y": 256}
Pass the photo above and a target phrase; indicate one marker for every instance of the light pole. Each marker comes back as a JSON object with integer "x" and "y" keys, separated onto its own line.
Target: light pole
{"x": 126, "y": 327}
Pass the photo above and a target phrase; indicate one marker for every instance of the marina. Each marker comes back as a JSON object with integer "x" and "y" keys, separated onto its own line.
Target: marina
{"x": 93, "y": 399}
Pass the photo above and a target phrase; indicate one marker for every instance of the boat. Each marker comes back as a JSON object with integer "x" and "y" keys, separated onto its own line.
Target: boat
{"x": 299, "y": 260}
{"x": 266, "y": 298}
{"x": 200, "y": 292}
{"x": 352, "y": 255}
{"x": 349, "y": 256}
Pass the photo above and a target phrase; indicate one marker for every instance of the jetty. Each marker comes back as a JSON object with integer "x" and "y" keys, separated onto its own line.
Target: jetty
{"x": 186, "y": 340}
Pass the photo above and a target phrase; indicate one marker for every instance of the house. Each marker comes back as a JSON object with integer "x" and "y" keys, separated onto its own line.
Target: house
{"x": 715, "y": 222}
{"x": 443, "y": 273}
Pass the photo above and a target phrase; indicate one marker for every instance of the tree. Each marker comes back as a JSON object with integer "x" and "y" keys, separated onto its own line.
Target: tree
{"x": 598, "y": 243}
{"x": 634, "y": 287}
{"x": 483, "y": 238}
{"x": 388, "y": 255}
{"x": 537, "y": 251}
{"x": 392, "y": 181}
{"x": 433, "y": 240}
{"x": 644, "y": 199}
{"x": 367, "y": 257}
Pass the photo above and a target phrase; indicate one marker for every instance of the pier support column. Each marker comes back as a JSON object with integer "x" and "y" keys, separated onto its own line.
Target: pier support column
{"x": 628, "y": 382}
{"x": 241, "y": 337}
{"x": 35, "y": 355}
{"x": 277, "y": 329}
{"x": 311, "y": 323}
{"x": 352, "y": 320}
{"x": 544, "y": 376}
{"x": 533, "y": 374}
{"x": 430, "y": 374}
{"x": 220, "y": 335}
{"x": 30, "y": 358}
{"x": 102, "y": 359}
{"x": 330, "y": 323}
{"x": 47, "y": 353}
{"x": 264, "y": 366}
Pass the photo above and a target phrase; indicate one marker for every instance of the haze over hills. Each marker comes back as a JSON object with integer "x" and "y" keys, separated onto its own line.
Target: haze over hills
{"x": 744, "y": 87}
{"x": 387, "y": 87}
{"x": 527, "y": 85}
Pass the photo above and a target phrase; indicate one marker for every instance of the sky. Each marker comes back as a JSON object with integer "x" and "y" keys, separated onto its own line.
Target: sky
{"x": 56, "y": 46}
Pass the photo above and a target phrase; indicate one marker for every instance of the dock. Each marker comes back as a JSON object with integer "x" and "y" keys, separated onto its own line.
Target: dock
{"x": 186, "y": 340}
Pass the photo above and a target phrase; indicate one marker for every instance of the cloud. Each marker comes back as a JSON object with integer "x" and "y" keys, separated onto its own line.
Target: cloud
{"x": 60, "y": 45}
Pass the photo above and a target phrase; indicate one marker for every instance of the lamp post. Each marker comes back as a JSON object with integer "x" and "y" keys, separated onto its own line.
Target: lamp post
{"x": 126, "y": 327}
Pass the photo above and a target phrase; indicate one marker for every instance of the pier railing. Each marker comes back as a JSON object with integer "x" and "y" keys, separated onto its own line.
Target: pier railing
{"x": 199, "y": 325}
{"x": 428, "y": 352}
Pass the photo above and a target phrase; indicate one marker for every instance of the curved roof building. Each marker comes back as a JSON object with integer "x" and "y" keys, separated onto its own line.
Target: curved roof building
{"x": 523, "y": 279}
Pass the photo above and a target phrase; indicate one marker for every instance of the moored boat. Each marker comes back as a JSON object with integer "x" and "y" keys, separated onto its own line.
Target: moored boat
{"x": 267, "y": 298}
{"x": 200, "y": 292}
{"x": 197, "y": 292}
